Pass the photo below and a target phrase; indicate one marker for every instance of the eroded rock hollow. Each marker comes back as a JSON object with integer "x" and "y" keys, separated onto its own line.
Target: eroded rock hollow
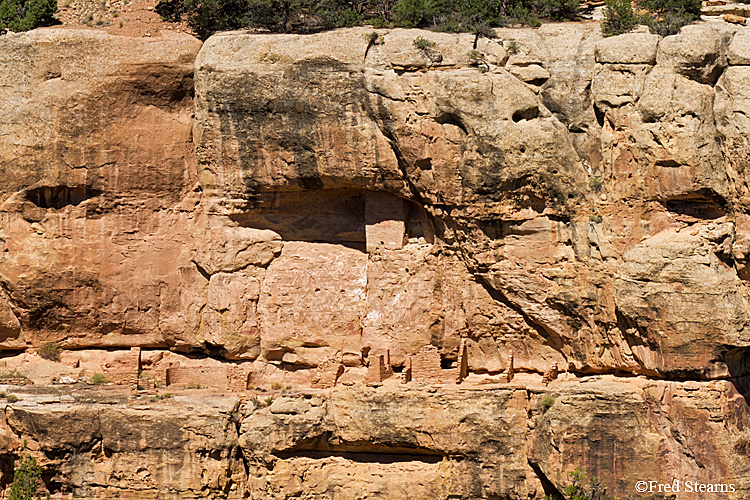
{"x": 313, "y": 221}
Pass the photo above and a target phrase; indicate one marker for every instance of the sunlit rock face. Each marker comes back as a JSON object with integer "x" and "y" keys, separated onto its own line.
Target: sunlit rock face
{"x": 286, "y": 203}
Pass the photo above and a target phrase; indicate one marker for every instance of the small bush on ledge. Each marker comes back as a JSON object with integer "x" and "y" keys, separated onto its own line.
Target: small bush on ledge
{"x": 50, "y": 351}
{"x": 583, "y": 487}
{"x": 98, "y": 379}
{"x": 546, "y": 402}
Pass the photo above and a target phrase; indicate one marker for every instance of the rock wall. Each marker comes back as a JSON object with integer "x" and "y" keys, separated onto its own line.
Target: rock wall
{"x": 290, "y": 204}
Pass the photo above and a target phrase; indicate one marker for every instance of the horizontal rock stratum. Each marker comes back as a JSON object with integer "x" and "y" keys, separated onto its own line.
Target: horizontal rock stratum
{"x": 282, "y": 204}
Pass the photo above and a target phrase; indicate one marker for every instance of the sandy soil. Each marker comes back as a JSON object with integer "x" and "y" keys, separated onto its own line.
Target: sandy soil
{"x": 118, "y": 17}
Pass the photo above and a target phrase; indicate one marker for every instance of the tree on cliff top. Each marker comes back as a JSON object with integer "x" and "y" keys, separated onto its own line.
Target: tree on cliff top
{"x": 24, "y": 15}
{"x": 308, "y": 16}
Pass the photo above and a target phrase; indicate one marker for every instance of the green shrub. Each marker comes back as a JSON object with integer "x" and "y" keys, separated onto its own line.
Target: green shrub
{"x": 374, "y": 38}
{"x": 170, "y": 10}
{"x": 24, "y": 15}
{"x": 12, "y": 398}
{"x": 582, "y": 487}
{"x": 27, "y": 478}
{"x": 98, "y": 379}
{"x": 422, "y": 43}
{"x": 206, "y": 17}
{"x": 339, "y": 13}
{"x": 667, "y": 17}
{"x": 557, "y": 10}
{"x": 50, "y": 351}
{"x": 414, "y": 13}
{"x": 619, "y": 18}
{"x": 595, "y": 183}
{"x": 546, "y": 402}
{"x": 193, "y": 385}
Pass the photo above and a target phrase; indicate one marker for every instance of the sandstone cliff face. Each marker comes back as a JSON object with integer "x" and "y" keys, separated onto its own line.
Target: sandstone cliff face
{"x": 96, "y": 156}
{"x": 283, "y": 202}
{"x": 487, "y": 441}
{"x": 558, "y": 187}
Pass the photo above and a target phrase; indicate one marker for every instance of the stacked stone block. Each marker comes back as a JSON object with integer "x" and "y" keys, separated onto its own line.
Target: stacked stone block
{"x": 238, "y": 379}
{"x": 379, "y": 368}
{"x": 551, "y": 374}
{"x": 425, "y": 366}
{"x": 510, "y": 372}
{"x": 328, "y": 374}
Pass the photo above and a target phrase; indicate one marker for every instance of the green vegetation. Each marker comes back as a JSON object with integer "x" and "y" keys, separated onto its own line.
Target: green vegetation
{"x": 98, "y": 379}
{"x": 423, "y": 44}
{"x": 160, "y": 397}
{"x": 193, "y": 385}
{"x": 596, "y": 183}
{"x": 596, "y": 219}
{"x": 546, "y": 402}
{"x": 477, "y": 60}
{"x": 12, "y": 375}
{"x": 24, "y": 15}
{"x": 27, "y": 479}
{"x": 374, "y": 38}
{"x": 666, "y": 17}
{"x": 663, "y": 17}
{"x": 308, "y": 16}
{"x": 262, "y": 403}
{"x": 619, "y": 18}
{"x": 466, "y": 16}
{"x": 582, "y": 487}
{"x": 12, "y": 398}
{"x": 50, "y": 351}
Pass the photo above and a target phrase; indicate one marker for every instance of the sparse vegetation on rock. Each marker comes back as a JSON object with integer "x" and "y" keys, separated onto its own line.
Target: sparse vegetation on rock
{"x": 546, "y": 402}
{"x": 583, "y": 487}
{"x": 423, "y": 44}
{"x": 160, "y": 397}
{"x": 50, "y": 351}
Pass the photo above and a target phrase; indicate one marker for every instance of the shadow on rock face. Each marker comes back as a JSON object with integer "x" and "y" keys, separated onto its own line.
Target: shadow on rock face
{"x": 738, "y": 364}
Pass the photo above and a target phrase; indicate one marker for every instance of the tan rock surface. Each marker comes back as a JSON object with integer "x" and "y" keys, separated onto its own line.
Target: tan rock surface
{"x": 476, "y": 442}
{"x": 738, "y": 52}
{"x": 284, "y": 204}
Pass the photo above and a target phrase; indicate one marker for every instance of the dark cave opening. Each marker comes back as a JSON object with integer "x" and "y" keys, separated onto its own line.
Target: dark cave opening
{"x": 60, "y": 196}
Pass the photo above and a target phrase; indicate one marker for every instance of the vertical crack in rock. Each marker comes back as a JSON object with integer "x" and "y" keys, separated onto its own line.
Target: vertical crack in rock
{"x": 554, "y": 339}
{"x": 548, "y": 486}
